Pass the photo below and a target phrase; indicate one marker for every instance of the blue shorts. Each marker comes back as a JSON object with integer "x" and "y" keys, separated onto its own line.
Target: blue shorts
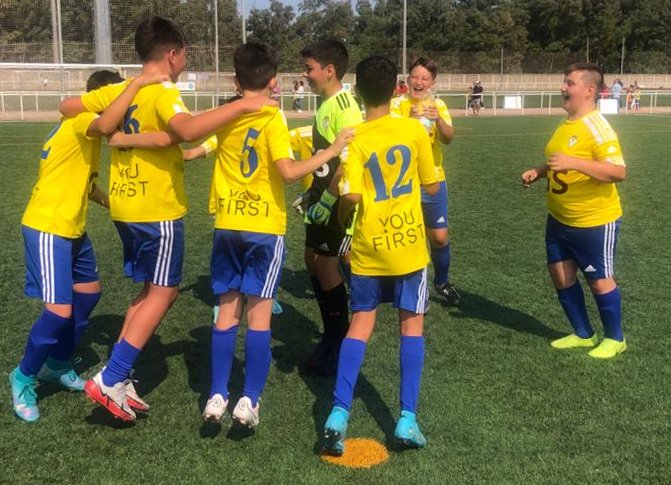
{"x": 408, "y": 292}
{"x": 434, "y": 208}
{"x": 248, "y": 262}
{"x": 592, "y": 248}
{"x": 153, "y": 251}
{"x": 55, "y": 263}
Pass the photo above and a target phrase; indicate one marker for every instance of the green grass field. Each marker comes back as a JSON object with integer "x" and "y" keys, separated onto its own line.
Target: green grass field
{"x": 498, "y": 405}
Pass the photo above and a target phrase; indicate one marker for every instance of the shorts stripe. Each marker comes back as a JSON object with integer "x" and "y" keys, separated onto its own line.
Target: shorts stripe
{"x": 608, "y": 249}
{"x": 274, "y": 270}
{"x": 345, "y": 245}
{"x": 421, "y": 295}
{"x": 47, "y": 267}
{"x": 162, "y": 267}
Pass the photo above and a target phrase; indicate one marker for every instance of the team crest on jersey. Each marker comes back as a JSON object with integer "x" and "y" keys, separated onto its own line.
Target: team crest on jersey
{"x": 572, "y": 141}
{"x": 325, "y": 124}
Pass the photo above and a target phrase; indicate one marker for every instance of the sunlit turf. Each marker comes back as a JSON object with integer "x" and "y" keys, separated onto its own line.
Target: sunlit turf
{"x": 498, "y": 405}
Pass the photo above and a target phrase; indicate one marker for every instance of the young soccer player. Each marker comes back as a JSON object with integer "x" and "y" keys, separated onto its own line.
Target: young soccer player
{"x": 325, "y": 65}
{"x": 148, "y": 201}
{"x": 419, "y": 103}
{"x": 383, "y": 169}
{"x": 584, "y": 162}
{"x": 60, "y": 261}
{"x": 254, "y": 160}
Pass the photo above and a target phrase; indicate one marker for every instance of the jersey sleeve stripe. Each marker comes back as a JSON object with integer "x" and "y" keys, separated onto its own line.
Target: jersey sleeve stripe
{"x": 595, "y": 132}
{"x": 605, "y": 130}
{"x": 608, "y": 131}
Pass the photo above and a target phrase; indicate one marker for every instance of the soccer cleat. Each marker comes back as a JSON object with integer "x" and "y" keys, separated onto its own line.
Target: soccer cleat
{"x": 134, "y": 400}
{"x": 335, "y": 430}
{"x": 608, "y": 349}
{"x": 111, "y": 398}
{"x": 407, "y": 431}
{"x": 215, "y": 408}
{"x": 245, "y": 414}
{"x": 277, "y": 308}
{"x": 448, "y": 290}
{"x": 572, "y": 341}
{"x": 66, "y": 378}
{"x": 24, "y": 397}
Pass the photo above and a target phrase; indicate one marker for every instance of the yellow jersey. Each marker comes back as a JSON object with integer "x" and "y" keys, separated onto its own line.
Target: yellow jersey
{"x": 68, "y": 168}
{"x": 145, "y": 185}
{"x": 402, "y": 105}
{"x": 386, "y": 163}
{"x": 301, "y": 144}
{"x": 249, "y": 191}
{"x": 573, "y": 198}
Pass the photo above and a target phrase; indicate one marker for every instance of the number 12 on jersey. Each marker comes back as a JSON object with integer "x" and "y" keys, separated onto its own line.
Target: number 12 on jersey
{"x": 399, "y": 188}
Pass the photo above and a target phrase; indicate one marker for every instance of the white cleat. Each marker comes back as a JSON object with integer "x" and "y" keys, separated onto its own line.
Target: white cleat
{"x": 134, "y": 400}
{"x": 215, "y": 408}
{"x": 111, "y": 398}
{"x": 245, "y": 414}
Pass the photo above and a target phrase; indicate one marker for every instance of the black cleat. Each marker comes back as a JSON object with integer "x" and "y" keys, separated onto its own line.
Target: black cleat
{"x": 452, "y": 296}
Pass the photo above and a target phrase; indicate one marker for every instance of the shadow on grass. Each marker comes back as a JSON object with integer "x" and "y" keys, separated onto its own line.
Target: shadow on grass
{"x": 297, "y": 283}
{"x": 478, "y": 307}
{"x": 201, "y": 289}
{"x": 298, "y": 335}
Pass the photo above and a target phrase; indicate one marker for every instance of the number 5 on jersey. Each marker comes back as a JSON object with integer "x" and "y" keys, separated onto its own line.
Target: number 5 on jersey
{"x": 252, "y": 158}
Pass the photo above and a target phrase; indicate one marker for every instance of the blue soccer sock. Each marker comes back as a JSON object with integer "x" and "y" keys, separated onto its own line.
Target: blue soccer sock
{"x": 223, "y": 352}
{"x": 64, "y": 348}
{"x": 258, "y": 357}
{"x": 82, "y": 306}
{"x": 412, "y": 364}
{"x": 352, "y": 352}
{"x": 42, "y": 337}
{"x": 121, "y": 363}
{"x": 572, "y": 300}
{"x": 610, "y": 309}
{"x": 440, "y": 257}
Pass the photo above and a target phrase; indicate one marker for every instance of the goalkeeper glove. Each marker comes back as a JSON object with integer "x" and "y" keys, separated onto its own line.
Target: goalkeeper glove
{"x": 321, "y": 211}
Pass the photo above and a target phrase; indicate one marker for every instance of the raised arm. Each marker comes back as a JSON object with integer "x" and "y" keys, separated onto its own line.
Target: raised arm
{"x": 192, "y": 128}
{"x": 71, "y": 107}
{"x": 113, "y": 115}
{"x": 159, "y": 139}
{"x": 292, "y": 170}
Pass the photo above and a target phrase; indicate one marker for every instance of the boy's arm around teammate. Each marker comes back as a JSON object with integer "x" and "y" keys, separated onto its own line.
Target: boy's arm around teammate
{"x": 292, "y": 170}
{"x": 113, "y": 115}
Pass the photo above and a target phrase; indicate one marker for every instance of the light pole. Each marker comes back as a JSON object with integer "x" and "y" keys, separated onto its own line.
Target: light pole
{"x": 244, "y": 22}
{"x": 405, "y": 36}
